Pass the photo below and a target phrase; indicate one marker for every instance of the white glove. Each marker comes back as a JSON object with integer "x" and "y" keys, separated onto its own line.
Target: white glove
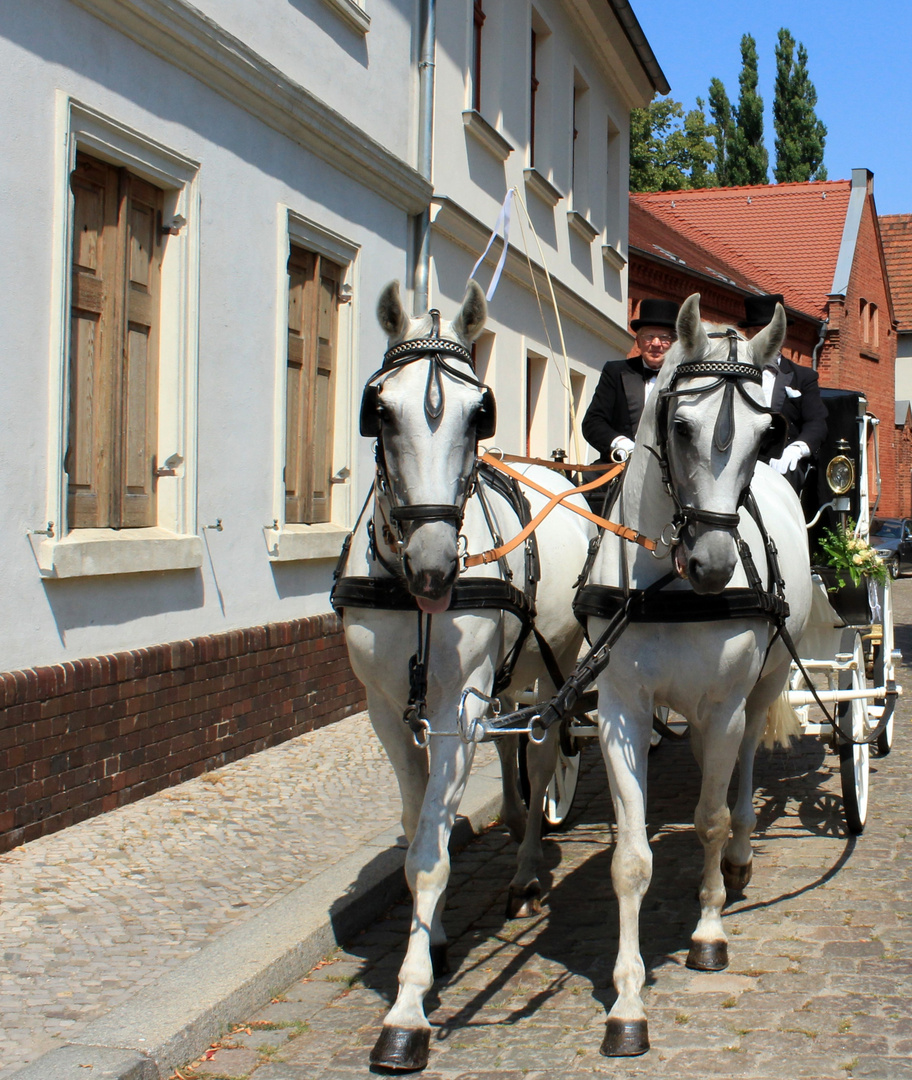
{"x": 791, "y": 455}
{"x": 621, "y": 447}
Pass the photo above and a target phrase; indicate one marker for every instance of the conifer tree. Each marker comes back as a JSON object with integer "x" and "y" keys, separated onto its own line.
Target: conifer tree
{"x": 748, "y": 160}
{"x": 800, "y": 136}
{"x": 721, "y": 112}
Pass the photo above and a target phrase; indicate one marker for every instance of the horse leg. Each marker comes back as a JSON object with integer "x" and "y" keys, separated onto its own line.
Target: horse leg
{"x": 709, "y": 945}
{"x": 513, "y": 813}
{"x": 410, "y": 762}
{"x": 625, "y": 747}
{"x": 524, "y": 896}
{"x": 738, "y": 854}
{"x": 404, "y": 1041}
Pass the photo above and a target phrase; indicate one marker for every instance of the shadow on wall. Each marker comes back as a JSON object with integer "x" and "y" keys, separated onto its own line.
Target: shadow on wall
{"x": 113, "y": 601}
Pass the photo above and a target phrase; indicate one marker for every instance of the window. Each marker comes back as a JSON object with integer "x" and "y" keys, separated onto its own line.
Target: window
{"x": 870, "y": 323}
{"x": 113, "y": 368}
{"x": 536, "y": 405}
{"x": 533, "y": 93}
{"x": 579, "y": 152}
{"x": 615, "y": 191}
{"x": 478, "y": 19}
{"x": 313, "y": 300}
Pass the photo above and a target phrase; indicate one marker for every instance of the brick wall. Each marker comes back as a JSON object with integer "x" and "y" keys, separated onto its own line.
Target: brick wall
{"x": 83, "y": 737}
{"x": 851, "y": 363}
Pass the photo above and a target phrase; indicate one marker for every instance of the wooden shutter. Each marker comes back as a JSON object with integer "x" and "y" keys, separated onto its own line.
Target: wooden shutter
{"x": 92, "y": 330}
{"x": 141, "y": 227}
{"x": 313, "y": 288}
{"x": 116, "y": 284}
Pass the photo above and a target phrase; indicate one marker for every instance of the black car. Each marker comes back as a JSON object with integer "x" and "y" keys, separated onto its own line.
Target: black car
{"x": 891, "y": 538}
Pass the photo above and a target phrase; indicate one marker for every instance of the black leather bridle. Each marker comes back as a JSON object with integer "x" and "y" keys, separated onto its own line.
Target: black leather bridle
{"x": 730, "y": 373}
{"x": 435, "y": 349}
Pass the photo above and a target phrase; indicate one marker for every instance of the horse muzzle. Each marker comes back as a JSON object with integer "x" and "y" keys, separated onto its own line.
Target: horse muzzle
{"x": 431, "y": 564}
{"x": 709, "y": 562}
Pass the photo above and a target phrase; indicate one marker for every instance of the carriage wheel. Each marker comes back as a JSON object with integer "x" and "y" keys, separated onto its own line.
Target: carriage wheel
{"x": 885, "y": 738}
{"x": 854, "y": 760}
{"x": 561, "y": 791}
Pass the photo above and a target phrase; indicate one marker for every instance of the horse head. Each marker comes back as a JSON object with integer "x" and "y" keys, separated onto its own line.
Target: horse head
{"x": 712, "y": 422}
{"x": 427, "y": 411}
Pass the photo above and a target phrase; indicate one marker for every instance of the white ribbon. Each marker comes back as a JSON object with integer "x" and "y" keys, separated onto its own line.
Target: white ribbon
{"x": 502, "y": 226}
{"x": 873, "y": 600}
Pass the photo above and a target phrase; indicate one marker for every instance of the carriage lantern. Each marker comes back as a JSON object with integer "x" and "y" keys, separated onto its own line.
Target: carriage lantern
{"x": 840, "y": 473}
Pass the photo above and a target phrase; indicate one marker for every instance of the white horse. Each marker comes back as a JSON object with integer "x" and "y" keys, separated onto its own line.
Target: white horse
{"x": 427, "y": 410}
{"x": 707, "y": 418}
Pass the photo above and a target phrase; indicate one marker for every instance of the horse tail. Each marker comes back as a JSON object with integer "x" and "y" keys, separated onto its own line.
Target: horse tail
{"x": 782, "y": 723}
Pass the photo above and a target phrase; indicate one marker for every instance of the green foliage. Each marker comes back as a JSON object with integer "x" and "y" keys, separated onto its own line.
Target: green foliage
{"x": 851, "y": 556}
{"x": 747, "y": 157}
{"x": 670, "y": 149}
{"x": 800, "y": 136}
{"x": 721, "y": 112}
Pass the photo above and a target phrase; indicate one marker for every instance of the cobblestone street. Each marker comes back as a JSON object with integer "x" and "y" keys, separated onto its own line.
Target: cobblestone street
{"x": 818, "y": 986}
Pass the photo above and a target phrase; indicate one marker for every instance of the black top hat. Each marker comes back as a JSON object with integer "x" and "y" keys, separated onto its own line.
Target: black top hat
{"x": 759, "y": 310}
{"x": 656, "y": 313}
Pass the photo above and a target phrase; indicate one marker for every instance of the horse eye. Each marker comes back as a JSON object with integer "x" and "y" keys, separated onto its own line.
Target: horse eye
{"x": 683, "y": 428}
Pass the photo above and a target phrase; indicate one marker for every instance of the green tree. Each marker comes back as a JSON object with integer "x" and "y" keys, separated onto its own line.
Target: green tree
{"x": 748, "y": 160}
{"x": 800, "y": 136}
{"x": 721, "y": 112}
{"x": 670, "y": 149}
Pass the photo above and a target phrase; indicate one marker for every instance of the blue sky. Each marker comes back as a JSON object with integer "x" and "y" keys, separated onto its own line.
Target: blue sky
{"x": 859, "y": 59}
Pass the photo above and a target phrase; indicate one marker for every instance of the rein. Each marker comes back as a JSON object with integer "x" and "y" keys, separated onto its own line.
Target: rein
{"x": 555, "y": 500}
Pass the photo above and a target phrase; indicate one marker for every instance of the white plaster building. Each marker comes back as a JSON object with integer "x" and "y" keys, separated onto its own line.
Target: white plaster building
{"x": 201, "y": 203}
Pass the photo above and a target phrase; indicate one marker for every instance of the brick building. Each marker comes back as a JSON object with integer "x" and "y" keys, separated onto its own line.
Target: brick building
{"x": 819, "y": 244}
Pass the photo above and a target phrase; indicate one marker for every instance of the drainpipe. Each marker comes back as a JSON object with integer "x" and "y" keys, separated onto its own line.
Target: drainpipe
{"x": 428, "y": 19}
{"x": 815, "y": 355}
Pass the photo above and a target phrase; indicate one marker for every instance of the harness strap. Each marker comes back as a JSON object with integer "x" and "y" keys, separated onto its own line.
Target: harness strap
{"x": 604, "y": 601}
{"x": 391, "y": 594}
{"x": 555, "y": 500}
{"x": 549, "y": 463}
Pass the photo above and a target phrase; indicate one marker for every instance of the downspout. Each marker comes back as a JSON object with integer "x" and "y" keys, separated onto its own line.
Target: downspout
{"x": 815, "y": 355}
{"x": 428, "y": 20}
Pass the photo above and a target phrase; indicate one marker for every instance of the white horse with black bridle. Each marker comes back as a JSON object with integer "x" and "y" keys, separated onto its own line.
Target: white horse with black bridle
{"x": 433, "y": 647}
{"x": 712, "y": 656}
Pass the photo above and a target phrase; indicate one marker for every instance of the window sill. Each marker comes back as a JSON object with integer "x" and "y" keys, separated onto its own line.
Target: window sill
{"x": 543, "y": 188}
{"x": 97, "y": 552}
{"x": 295, "y": 543}
{"x": 352, "y": 13}
{"x": 581, "y": 225}
{"x": 489, "y": 137}
{"x": 868, "y": 355}
{"x": 613, "y": 257}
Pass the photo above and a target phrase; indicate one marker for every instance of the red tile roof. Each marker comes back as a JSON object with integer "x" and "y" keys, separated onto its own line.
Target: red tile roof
{"x": 778, "y": 237}
{"x": 896, "y": 233}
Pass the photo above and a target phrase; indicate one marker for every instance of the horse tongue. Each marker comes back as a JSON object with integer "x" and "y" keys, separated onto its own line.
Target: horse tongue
{"x": 434, "y": 607}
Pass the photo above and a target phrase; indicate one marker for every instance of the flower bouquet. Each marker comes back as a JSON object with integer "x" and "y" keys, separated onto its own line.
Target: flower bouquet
{"x": 851, "y": 571}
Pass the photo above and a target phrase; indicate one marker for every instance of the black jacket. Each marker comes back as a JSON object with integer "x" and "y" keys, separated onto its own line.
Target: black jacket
{"x": 617, "y": 403}
{"x": 805, "y": 415}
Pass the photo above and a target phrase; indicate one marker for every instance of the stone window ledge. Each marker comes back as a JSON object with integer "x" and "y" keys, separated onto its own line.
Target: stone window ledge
{"x": 97, "y": 552}
{"x": 542, "y": 187}
{"x": 489, "y": 137}
{"x": 295, "y": 543}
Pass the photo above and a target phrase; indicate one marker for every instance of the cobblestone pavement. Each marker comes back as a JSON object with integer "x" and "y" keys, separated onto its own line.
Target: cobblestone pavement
{"x": 820, "y": 980}
{"x": 93, "y": 914}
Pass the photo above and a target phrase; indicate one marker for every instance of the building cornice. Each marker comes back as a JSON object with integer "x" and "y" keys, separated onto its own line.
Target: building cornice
{"x": 194, "y": 43}
{"x": 462, "y": 228}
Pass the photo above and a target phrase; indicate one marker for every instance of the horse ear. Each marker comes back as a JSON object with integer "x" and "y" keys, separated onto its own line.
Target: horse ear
{"x": 472, "y": 314}
{"x": 390, "y": 312}
{"x": 767, "y": 345}
{"x": 691, "y": 334}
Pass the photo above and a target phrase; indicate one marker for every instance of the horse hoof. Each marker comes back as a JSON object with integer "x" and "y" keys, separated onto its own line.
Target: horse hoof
{"x": 440, "y": 964}
{"x": 708, "y": 955}
{"x": 524, "y": 903}
{"x": 401, "y": 1049}
{"x": 624, "y": 1038}
{"x": 736, "y": 878}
